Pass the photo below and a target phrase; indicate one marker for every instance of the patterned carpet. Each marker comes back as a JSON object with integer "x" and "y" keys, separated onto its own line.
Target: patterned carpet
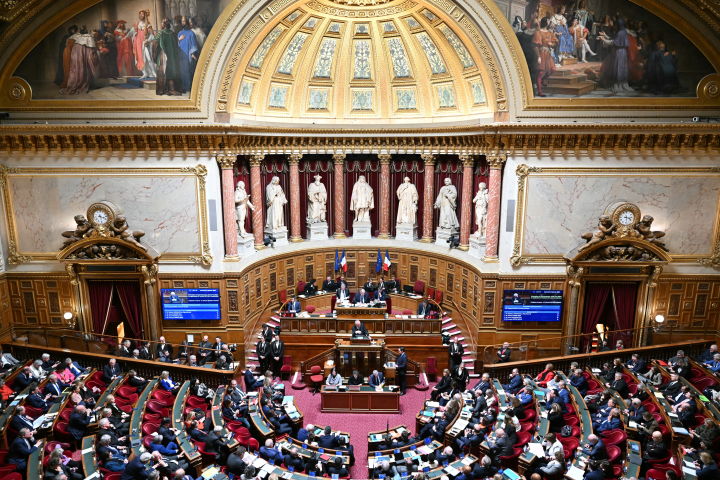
{"x": 358, "y": 425}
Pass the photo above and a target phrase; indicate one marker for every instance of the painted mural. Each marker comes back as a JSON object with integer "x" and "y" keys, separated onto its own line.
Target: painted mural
{"x": 123, "y": 50}
{"x": 604, "y": 49}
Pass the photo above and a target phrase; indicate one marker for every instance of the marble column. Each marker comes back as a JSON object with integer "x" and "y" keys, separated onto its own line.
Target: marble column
{"x": 468, "y": 162}
{"x": 258, "y": 198}
{"x": 492, "y": 233}
{"x": 227, "y": 162}
{"x": 428, "y": 198}
{"x": 295, "y": 235}
{"x": 339, "y": 206}
{"x": 384, "y": 196}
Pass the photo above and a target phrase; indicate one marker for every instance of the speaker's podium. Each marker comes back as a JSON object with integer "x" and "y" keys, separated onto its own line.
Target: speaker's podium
{"x": 359, "y": 353}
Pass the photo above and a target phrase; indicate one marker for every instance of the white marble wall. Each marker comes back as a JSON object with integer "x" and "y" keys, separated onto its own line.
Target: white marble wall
{"x": 560, "y": 208}
{"x": 164, "y": 207}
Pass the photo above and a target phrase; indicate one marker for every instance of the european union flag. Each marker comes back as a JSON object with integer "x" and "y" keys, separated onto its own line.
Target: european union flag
{"x": 378, "y": 267}
{"x": 337, "y": 261}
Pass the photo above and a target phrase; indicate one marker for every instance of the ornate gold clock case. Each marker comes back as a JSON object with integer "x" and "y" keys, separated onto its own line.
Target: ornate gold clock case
{"x": 624, "y": 215}
{"x": 101, "y": 215}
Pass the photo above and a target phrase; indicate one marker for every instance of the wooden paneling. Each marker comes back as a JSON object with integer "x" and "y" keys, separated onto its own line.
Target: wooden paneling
{"x": 688, "y": 299}
{"x": 36, "y": 299}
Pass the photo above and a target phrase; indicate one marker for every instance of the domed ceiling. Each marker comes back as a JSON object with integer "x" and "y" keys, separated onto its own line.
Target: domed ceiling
{"x": 367, "y": 61}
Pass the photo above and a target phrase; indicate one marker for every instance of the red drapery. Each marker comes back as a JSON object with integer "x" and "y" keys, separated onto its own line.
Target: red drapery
{"x": 595, "y": 298}
{"x": 129, "y": 293}
{"x": 625, "y": 297}
{"x": 100, "y": 293}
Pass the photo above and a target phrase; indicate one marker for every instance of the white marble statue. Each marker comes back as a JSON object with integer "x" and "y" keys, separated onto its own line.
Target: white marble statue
{"x": 242, "y": 203}
{"x": 481, "y": 209}
{"x": 317, "y": 196}
{"x": 447, "y": 203}
{"x": 275, "y": 203}
{"x": 362, "y": 200}
{"x": 408, "y": 199}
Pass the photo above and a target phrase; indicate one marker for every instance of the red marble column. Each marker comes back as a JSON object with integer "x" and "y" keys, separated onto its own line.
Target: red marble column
{"x": 428, "y": 194}
{"x": 339, "y": 159}
{"x": 227, "y": 162}
{"x": 258, "y": 200}
{"x": 466, "y": 214}
{"x": 492, "y": 233}
{"x": 295, "y": 235}
{"x": 384, "y": 196}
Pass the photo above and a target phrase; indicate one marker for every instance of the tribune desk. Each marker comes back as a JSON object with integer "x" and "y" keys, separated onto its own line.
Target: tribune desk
{"x": 361, "y": 354}
{"x": 357, "y": 311}
{"x": 365, "y": 400}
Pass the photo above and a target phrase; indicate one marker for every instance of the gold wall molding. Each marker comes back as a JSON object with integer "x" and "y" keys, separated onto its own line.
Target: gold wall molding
{"x": 199, "y": 172}
{"x": 523, "y": 172}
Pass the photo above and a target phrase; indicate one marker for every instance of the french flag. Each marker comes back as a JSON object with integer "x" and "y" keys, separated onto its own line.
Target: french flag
{"x": 343, "y": 263}
{"x": 387, "y": 262}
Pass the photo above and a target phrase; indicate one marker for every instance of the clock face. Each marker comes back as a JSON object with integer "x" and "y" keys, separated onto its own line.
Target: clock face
{"x": 626, "y": 218}
{"x": 100, "y": 217}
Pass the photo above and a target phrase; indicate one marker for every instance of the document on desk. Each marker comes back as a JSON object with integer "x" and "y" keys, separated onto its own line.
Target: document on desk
{"x": 680, "y": 430}
{"x": 536, "y": 449}
{"x": 690, "y": 471}
{"x": 575, "y": 473}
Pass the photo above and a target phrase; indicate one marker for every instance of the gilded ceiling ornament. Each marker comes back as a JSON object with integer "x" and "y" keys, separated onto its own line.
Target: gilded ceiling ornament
{"x": 360, "y": 3}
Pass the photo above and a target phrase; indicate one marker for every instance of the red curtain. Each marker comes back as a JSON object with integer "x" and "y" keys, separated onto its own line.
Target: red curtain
{"x": 625, "y": 297}
{"x": 368, "y": 166}
{"x": 310, "y": 166}
{"x": 129, "y": 293}
{"x": 595, "y": 298}
{"x": 100, "y": 293}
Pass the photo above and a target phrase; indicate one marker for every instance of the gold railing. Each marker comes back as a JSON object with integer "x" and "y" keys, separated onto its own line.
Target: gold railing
{"x": 470, "y": 331}
{"x": 581, "y": 344}
{"x": 249, "y": 338}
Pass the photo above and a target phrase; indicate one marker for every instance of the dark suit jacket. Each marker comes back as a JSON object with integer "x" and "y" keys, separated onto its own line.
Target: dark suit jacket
{"x": 461, "y": 377}
{"x": 296, "y": 463}
{"x": 277, "y": 349}
{"x": 356, "y": 381}
{"x": 380, "y": 295}
{"x": 347, "y": 294}
{"x": 637, "y": 367}
{"x": 204, "y": 347}
{"x": 340, "y": 472}
{"x": 294, "y": 307}
{"x": 483, "y": 472}
{"x": 598, "y": 452}
{"x": 456, "y": 350}
{"x": 423, "y": 309}
{"x": 374, "y": 381}
{"x": 327, "y": 441}
{"x": 709, "y": 472}
{"x": 18, "y": 423}
{"x": 310, "y": 289}
{"x": 124, "y": 352}
{"x": 134, "y": 470}
{"x": 328, "y": 285}
{"x": 168, "y": 435}
{"x": 78, "y": 424}
{"x": 502, "y": 448}
{"x": 214, "y": 444}
{"x": 504, "y": 354}
{"x": 19, "y": 451}
{"x": 402, "y": 362}
{"x": 516, "y": 383}
{"x": 621, "y": 387}
{"x": 165, "y": 347}
{"x": 671, "y": 388}
{"x": 146, "y": 354}
{"x": 655, "y": 451}
{"x": 235, "y": 465}
{"x": 21, "y": 382}
{"x": 595, "y": 475}
{"x": 580, "y": 383}
{"x": 108, "y": 373}
{"x": 198, "y": 435}
{"x": 36, "y": 401}
{"x": 55, "y": 389}
{"x": 360, "y": 298}
{"x": 444, "y": 384}
{"x": 359, "y": 331}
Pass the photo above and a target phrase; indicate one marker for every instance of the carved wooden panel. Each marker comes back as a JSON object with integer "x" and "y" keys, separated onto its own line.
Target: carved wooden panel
{"x": 519, "y": 285}
{"x": 464, "y": 288}
{"x": 490, "y": 284}
{"x": 258, "y": 288}
{"x": 29, "y": 302}
{"x": 273, "y": 281}
{"x": 674, "y": 306}
{"x": 450, "y": 283}
{"x": 247, "y": 296}
{"x": 350, "y": 270}
{"x": 475, "y": 297}
{"x": 51, "y": 284}
{"x": 203, "y": 284}
{"x": 290, "y": 277}
{"x": 309, "y": 272}
{"x": 232, "y": 283}
{"x": 545, "y": 285}
{"x": 489, "y": 302}
{"x": 54, "y": 299}
{"x": 433, "y": 277}
{"x": 232, "y": 301}
{"x": 273, "y": 266}
{"x": 676, "y": 286}
{"x": 433, "y": 261}
{"x": 701, "y": 305}
{"x": 56, "y": 320}
{"x": 465, "y": 272}
{"x": 413, "y": 274}
{"x": 703, "y": 287}
{"x": 329, "y": 270}
{"x": 488, "y": 320}
{"x": 178, "y": 284}
{"x": 25, "y": 284}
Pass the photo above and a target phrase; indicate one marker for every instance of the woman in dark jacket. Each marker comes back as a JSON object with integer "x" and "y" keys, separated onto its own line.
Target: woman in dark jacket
{"x": 556, "y": 420}
{"x": 517, "y": 408}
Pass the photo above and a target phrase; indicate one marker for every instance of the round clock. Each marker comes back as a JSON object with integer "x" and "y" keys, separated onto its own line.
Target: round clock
{"x": 102, "y": 214}
{"x": 623, "y": 214}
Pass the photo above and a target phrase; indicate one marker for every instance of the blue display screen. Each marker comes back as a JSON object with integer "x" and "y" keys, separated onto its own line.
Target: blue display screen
{"x": 532, "y": 305}
{"x": 191, "y": 304}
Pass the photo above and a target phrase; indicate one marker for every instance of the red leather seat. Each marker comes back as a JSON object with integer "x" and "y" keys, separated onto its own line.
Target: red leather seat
{"x": 287, "y": 362}
{"x": 702, "y": 383}
{"x": 576, "y": 432}
{"x": 407, "y": 312}
{"x": 658, "y": 417}
{"x": 62, "y": 434}
{"x": 316, "y": 377}
{"x": 130, "y": 401}
{"x": 527, "y": 427}
{"x": 615, "y": 437}
{"x": 699, "y": 419}
{"x": 430, "y": 293}
{"x": 32, "y": 411}
{"x": 157, "y": 407}
{"x": 572, "y": 421}
{"x": 194, "y": 401}
{"x": 512, "y": 460}
{"x": 655, "y": 463}
{"x": 530, "y": 416}
{"x": 438, "y": 297}
{"x": 5, "y": 472}
{"x": 570, "y": 408}
{"x": 164, "y": 396}
{"x": 65, "y": 414}
{"x": 282, "y": 295}
{"x": 696, "y": 372}
{"x": 613, "y": 454}
{"x": 569, "y": 443}
{"x": 431, "y": 368}
{"x": 207, "y": 458}
{"x": 665, "y": 433}
{"x": 333, "y": 301}
{"x": 523, "y": 438}
{"x": 17, "y": 476}
{"x": 189, "y": 409}
{"x": 310, "y": 309}
{"x": 152, "y": 417}
{"x": 388, "y": 305}
{"x": 300, "y": 287}
{"x": 149, "y": 428}
{"x": 126, "y": 391}
{"x": 147, "y": 440}
{"x": 419, "y": 287}
{"x": 50, "y": 446}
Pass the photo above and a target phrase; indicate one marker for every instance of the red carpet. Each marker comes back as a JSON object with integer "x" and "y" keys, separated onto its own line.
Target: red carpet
{"x": 358, "y": 425}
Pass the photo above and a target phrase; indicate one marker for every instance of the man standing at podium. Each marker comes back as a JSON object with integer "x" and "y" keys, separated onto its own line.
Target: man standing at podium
{"x": 401, "y": 369}
{"x": 293, "y": 306}
{"x": 342, "y": 294}
{"x": 359, "y": 330}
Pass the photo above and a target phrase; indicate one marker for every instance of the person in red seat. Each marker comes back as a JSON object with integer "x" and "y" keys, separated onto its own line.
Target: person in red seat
{"x": 655, "y": 449}
{"x": 706, "y": 432}
{"x": 545, "y": 376}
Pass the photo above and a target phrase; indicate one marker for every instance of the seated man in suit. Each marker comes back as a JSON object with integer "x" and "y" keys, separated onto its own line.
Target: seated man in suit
{"x": 388, "y": 443}
{"x": 196, "y": 433}
{"x": 423, "y": 308}
{"x": 329, "y": 285}
{"x": 294, "y": 460}
{"x": 310, "y": 287}
{"x": 471, "y": 437}
{"x": 553, "y": 396}
{"x": 20, "y": 420}
{"x": 269, "y": 452}
{"x": 370, "y": 285}
{"x": 110, "y": 371}
{"x": 133, "y": 380}
{"x": 686, "y": 414}
{"x": 146, "y": 352}
{"x": 35, "y": 400}
{"x": 137, "y": 468}
{"x": 293, "y": 306}
{"x": 595, "y": 448}
{"x": 78, "y": 423}
{"x": 579, "y": 381}
{"x": 637, "y": 365}
{"x": 106, "y": 428}
{"x": 304, "y": 433}
{"x": 655, "y": 448}
{"x": 437, "y": 428}
{"x": 359, "y": 330}
{"x": 636, "y": 410}
{"x": 356, "y": 378}
{"x": 163, "y": 347}
{"x": 503, "y": 447}
{"x": 376, "y": 379}
{"x": 504, "y": 353}
{"x": 184, "y": 352}
{"x": 327, "y": 439}
{"x": 361, "y": 297}
{"x": 612, "y": 422}
{"x": 484, "y": 468}
{"x": 337, "y": 468}
{"x": 404, "y": 439}
{"x": 21, "y": 449}
{"x": 619, "y": 385}
{"x": 23, "y": 380}
{"x": 169, "y": 434}
{"x": 216, "y": 443}
{"x": 516, "y": 382}
{"x": 251, "y": 383}
{"x": 380, "y": 295}
{"x": 442, "y": 386}
{"x": 121, "y": 425}
{"x": 125, "y": 350}
{"x": 54, "y": 387}
{"x": 671, "y": 388}
{"x": 483, "y": 384}
{"x": 346, "y": 449}
{"x": 342, "y": 294}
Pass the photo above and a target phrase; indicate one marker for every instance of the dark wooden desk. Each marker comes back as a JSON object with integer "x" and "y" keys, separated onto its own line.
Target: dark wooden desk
{"x": 367, "y": 399}
{"x": 188, "y": 449}
{"x": 361, "y": 311}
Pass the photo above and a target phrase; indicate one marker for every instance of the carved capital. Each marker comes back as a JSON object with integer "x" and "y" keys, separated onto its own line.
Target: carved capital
{"x": 429, "y": 159}
{"x": 294, "y": 159}
{"x": 496, "y": 162}
{"x": 256, "y": 160}
{"x": 574, "y": 274}
{"x": 226, "y": 162}
{"x": 384, "y": 159}
{"x": 654, "y": 276}
{"x": 467, "y": 160}
{"x": 339, "y": 158}
{"x": 73, "y": 276}
{"x": 150, "y": 273}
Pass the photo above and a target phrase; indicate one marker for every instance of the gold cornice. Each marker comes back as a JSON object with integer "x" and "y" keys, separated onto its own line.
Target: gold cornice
{"x": 226, "y": 162}
{"x": 339, "y": 159}
{"x": 385, "y": 159}
{"x": 256, "y": 160}
{"x": 496, "y": 162}
{"x": 429, "y": 159}
{"x": 294, "y": 159}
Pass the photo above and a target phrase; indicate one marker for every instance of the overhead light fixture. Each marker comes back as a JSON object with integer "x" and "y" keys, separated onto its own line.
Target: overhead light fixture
{"x": 68, "y": 315}
{"x": 659, "y": 319}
